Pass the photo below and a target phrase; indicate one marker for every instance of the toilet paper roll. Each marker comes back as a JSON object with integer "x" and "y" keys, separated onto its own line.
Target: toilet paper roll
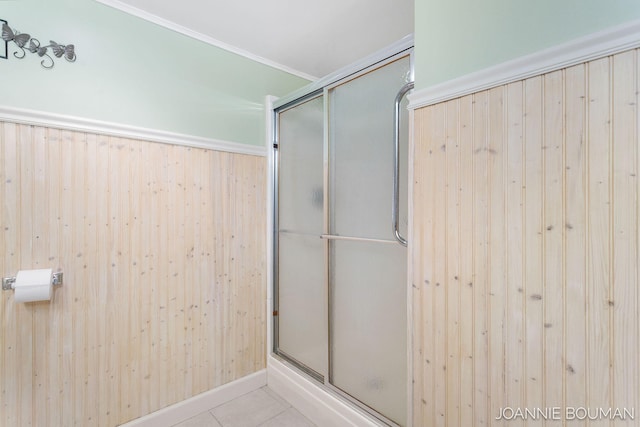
{"x": 33, "y": 285}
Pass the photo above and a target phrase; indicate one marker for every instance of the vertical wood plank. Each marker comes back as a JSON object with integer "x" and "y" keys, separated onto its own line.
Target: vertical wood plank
{"x": 147, "y": 276}
{"x": 11, "y": 264}
{"x": 599, "y": 237}
{"x": 258, "y": 275}
{"x": 553, "y": 292}
{"x": 178, "y": 271}
{"x": 235, "y": 290}
{"x": 118, "y": 314}
{"x": 156, "y": 269}
{"x": 533, "y": 206}
{"x": 104, "y": 322}
{"x": 219, "y": 341}
{"x": 207, "y": 272}
{"x": 575, "y": 239}
{"x": 452, "y": 278}
{"x": 13, "y": 256}
{"x": 257, "y": 280}
{"x": 5, "y": 344}
{"x": 138, "y": 282}
{"x": 173, "y": 235}
{"x": 422, "y": 380}
{"x": 514, "y": 264}
{"x": 188, "y": 267}
{"x": 229, "y": 291}
{"x": 623, "y": 302}
{"x": 77, "y": 294}
{"x": 4, "y": 231}
{"x": 24, "y": 312}
{"x": 43, "y": 396}
{"x": 466, "y": 261}
{"x": 52, "y": 319}
{"x": 166, "y": 237}
{"x": 59, "y": 188}
{"x": 482, "y": 415}
{"x": 415, "y": 299}
{"x": 216, "y": 345}
{"x": 72, "y": 342}
{"x": 244, "y": 347}
{"x": 439, "y": 278}
{"x": 637, "y": 334}
{"x": 198, "y": 259}
{"x": 497, "y": 155}
{"x": 93, "y": 305}
{"x": 58, "y": 261}
{"x": 120, "y": 273}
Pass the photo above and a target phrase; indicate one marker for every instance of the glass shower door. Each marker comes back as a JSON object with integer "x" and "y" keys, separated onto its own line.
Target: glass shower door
{"x": 340, "y": 273}
{"x": 302, "y": 298}
{"x": 367, "y": 265}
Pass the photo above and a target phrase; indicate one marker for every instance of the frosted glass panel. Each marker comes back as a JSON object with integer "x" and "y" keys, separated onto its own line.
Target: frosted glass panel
{"x": 302, "y": 304}
{"x": 301, "y": 167}
{"x": 302, "y": 300}
{"x": 361, "y": 152}
{"x": 368, "y": 324}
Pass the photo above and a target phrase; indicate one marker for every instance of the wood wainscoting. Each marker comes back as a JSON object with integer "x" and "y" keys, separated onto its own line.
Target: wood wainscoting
{"x": 163, "y": 253}
{"x": 524, "y": 251}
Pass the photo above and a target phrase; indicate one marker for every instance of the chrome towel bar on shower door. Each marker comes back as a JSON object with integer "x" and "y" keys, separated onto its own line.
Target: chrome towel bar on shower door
{"x": 396, "y": 164}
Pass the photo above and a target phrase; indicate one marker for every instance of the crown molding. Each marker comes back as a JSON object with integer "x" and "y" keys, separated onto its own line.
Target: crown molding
{"x": 78, "y": 124}
{"x": 593, "y": 46}
{"x": 142, "y": 14}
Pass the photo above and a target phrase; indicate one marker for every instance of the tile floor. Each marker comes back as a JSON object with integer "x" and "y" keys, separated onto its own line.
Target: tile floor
{"x": 260, "y": 408}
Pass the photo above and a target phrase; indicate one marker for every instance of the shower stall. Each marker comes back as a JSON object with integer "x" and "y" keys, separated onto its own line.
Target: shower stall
{"x": 340, "y": 217}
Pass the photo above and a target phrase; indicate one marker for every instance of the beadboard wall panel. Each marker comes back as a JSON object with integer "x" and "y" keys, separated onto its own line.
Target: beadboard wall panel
{"x": 524, "y": 251}
{"x": 163, "y": 253}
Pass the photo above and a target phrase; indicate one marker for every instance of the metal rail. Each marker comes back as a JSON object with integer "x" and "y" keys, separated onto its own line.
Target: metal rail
{"x": 396, "y": 164}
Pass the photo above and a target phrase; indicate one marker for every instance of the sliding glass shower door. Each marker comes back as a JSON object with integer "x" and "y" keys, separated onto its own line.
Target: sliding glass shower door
{"x": 301, "y": 333}
{"x": 341, "y": 271}
{"x": 367, "y": 266}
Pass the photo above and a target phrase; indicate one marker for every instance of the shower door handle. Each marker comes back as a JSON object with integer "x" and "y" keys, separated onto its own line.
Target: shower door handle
{"x": 396, "y": 164}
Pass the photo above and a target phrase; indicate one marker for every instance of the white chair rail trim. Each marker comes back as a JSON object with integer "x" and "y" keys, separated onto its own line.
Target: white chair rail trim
{"x": 78, "y": 124}
{"x": 593, "y": 46}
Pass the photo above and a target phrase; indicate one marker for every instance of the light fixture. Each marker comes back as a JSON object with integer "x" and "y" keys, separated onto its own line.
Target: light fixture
{"x": 25, "y": 43}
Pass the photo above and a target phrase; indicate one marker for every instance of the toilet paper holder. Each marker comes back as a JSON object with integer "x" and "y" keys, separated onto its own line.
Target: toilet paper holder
{"x": 8, "y": 282}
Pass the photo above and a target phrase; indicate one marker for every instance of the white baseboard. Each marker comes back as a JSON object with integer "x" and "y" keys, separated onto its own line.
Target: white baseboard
{"x": 174, "y": 414}
{"x": 319, "y": 406}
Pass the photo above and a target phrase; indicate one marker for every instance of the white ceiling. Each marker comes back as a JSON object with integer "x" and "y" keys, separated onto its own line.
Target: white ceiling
{"x": 309, "y": 38}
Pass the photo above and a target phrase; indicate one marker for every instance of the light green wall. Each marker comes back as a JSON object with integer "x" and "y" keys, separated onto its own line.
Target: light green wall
{"x": 458, "y": 37}
{"x": 133, "y": 72}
